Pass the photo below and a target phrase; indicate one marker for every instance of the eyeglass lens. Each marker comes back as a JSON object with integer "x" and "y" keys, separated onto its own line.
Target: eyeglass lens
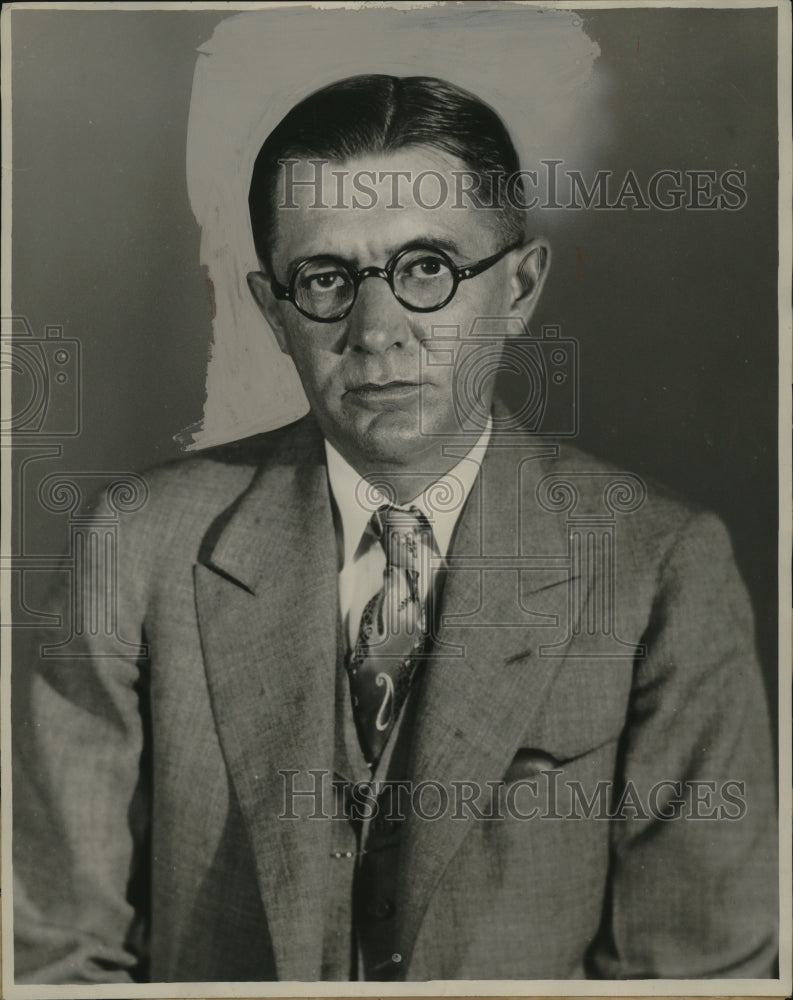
{"x": 421, "y": 278}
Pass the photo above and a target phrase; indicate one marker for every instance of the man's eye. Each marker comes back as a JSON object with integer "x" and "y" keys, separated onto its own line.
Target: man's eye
{"x": 326, "y": 281}
{"x": 427, "y": 267}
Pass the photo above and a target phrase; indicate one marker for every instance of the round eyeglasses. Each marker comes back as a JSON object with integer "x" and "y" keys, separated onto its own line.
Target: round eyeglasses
{"x": 423, "y": 278}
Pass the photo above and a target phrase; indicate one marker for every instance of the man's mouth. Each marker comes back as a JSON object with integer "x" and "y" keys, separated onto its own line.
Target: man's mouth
{"x": 383, "y": 393}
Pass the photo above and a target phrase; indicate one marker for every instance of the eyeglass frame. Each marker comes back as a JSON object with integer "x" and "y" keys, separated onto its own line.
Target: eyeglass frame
{"x": 459, "y": 274}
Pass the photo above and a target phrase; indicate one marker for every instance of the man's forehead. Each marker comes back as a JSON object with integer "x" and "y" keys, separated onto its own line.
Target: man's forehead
{"x": 367, "y": 207}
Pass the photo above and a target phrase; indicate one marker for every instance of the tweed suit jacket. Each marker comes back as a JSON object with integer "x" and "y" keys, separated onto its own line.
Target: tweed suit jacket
{"x": 583, "y": 644}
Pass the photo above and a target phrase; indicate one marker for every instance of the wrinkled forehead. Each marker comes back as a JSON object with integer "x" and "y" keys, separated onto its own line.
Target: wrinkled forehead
{"x": 366, "y": 208}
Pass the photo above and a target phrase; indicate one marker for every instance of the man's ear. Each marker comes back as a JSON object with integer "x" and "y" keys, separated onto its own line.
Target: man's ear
{"x": 261, "y": 290}
{"x": 532, "y": 262}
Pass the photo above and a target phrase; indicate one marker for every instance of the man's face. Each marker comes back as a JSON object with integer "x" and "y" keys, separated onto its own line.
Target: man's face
{"x": 369, "y": 377}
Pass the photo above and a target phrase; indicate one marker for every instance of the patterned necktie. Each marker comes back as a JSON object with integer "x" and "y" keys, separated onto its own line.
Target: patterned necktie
{"x": 393, "y": 628}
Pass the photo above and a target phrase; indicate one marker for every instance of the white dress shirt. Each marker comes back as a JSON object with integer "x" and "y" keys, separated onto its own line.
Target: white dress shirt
{"x": 362, "y": 557}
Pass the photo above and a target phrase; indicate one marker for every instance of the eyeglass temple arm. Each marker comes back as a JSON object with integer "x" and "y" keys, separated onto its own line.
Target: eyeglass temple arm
{"x": 280, "y": 291}
{"x": 472, "y": 270}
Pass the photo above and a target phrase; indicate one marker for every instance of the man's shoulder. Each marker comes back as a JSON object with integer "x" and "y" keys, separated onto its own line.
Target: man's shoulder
{"x": 215, "y": 476}
{"x": 188, "y": 497}
{"x": 190, "y": 500}
{"x": 567, "y": 477}
{"x": 647, "y": 515}
{"x": 651, "y": 533}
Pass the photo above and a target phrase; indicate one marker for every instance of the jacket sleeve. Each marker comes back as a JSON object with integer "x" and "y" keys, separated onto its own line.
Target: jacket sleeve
{"x": 80, "y": 778}
{"x": 694, "y": 895}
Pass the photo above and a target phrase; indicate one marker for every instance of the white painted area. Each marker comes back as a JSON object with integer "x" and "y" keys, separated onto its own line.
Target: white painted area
{"x": 534, "y": 66}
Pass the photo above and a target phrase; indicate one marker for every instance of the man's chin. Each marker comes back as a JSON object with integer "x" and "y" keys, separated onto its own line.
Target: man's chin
{"x": 395, "y": 439}
{"x": 389, "y": 439}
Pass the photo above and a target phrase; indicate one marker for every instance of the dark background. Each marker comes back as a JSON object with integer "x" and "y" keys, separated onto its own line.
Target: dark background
{"x": 675, "y": 313}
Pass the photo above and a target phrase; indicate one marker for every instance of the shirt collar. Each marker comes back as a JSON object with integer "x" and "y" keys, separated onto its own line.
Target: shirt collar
{"x": 442, "y": 501}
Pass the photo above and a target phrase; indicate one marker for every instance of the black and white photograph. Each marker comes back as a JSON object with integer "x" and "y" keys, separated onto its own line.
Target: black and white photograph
{"x": 396, "y": 491}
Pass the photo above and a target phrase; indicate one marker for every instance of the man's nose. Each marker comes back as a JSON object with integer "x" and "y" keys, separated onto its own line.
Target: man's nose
{"x": 377, "y": 321}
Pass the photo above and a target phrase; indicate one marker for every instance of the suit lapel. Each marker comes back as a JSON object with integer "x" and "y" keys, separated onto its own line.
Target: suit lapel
{"x": 267, "y": 596}
{"x": 267, "y": 609}
{"x": 486, "y": 681}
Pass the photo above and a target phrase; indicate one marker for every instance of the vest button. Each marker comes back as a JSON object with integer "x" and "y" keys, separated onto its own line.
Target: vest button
{"x": 380, "y": 909}
{"x": 389, "y": 970}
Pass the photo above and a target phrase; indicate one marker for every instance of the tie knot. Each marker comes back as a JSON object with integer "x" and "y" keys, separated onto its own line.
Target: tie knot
{"x": 400, "y": 532}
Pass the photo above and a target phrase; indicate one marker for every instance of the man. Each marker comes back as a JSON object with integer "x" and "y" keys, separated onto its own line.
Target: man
{"x": 419, "y": 694}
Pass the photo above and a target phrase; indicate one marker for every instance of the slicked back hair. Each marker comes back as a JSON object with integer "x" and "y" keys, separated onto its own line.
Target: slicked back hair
{"x": 381, "y": 114}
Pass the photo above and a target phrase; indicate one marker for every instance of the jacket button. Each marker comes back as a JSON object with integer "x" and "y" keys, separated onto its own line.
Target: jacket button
{"x": 380, "y": 909}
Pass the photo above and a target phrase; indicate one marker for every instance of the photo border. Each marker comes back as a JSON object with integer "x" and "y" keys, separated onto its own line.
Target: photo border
{"x": 551, "y": 988}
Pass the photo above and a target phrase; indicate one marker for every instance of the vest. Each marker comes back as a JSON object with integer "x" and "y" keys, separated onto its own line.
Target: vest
{"x": 358, "y": 942}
